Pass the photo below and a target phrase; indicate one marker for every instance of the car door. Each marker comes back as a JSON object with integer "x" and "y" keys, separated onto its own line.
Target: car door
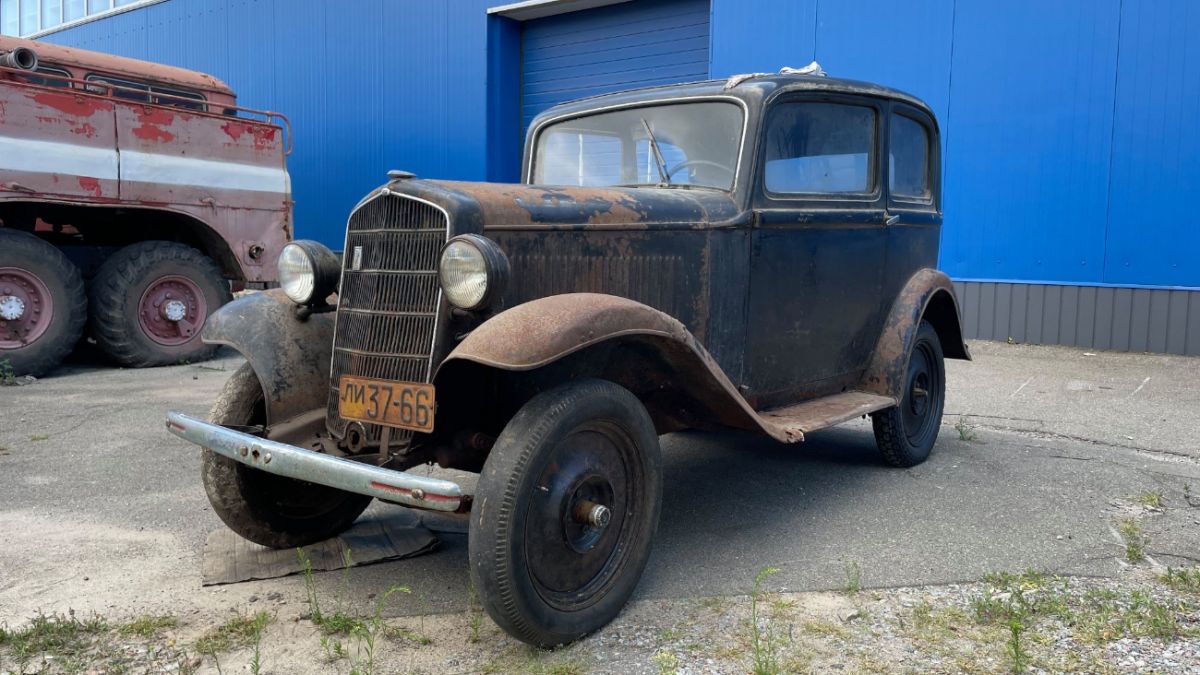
{"x": 914, "y": 187}
{"x": 819, "y": 247}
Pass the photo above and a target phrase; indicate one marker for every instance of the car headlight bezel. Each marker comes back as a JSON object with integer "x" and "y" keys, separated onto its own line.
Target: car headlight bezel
{"x": 307, "y": 271}
{"x": 486, "y": 269}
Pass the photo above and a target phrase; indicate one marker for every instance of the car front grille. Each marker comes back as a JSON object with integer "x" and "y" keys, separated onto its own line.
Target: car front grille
{"x": 387, "y": 315}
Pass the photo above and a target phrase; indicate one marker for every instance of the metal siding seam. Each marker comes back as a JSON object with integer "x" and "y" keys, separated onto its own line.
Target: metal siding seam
{"x": 1177, "y": 317}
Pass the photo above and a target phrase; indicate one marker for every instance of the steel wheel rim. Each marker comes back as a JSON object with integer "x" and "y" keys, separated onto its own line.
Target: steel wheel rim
{"x": 172, "y": 310}
{"x": 922, "y": 394}
{"x": 573, "y": 564}
{"x": 23, "y": 292}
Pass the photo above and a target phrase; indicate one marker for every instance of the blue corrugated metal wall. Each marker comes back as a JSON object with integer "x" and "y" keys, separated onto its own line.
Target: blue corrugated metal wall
{"x": 369, "y": 84}
{"x": 595, "y": 51}
{"x": 1071, "y": 148}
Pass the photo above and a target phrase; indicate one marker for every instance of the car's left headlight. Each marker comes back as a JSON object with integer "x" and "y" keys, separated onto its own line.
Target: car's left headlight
{"x": 473, "y": 271}
{"x": 308, "y": 271}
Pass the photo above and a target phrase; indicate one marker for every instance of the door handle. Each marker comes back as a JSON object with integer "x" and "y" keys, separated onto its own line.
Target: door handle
{"x": 890, "y": 220}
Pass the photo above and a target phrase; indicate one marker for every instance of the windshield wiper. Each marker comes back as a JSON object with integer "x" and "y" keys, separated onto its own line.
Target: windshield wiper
{"x": 659, "y": 162}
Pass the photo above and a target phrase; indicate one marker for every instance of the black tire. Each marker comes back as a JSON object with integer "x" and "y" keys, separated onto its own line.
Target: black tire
{"x": 543, "y": 576}
{"x": 116, "y": 292}
{"x": 29, "y": 255}
{"x": 906, "y": 433}
{"x": 267, "y": 509}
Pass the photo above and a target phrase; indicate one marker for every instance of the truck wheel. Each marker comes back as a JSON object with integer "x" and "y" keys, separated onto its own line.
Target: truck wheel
{"x": 267, "y": 509}
{"x": 42, "y": 304}
{"x": 906, "y": 433}
{"x": 149, "y": 301}
{"x": 565, "y": 511}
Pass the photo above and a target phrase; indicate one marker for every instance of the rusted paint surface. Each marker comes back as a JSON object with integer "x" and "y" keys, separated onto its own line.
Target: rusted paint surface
{"x": 97, "y": 148}
{"x": 290, "y": 357}
{"x": 889, "y": 363}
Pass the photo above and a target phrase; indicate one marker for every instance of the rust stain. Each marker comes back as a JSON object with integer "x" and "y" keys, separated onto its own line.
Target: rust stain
{"x": 152, "y": 133}
{"x": 71, "y": 104}
{"x": 262, "y": 135}
{"x": 85, "y": 129}
{"x": 91, "y": 185}
{"x": 152, "y": 120}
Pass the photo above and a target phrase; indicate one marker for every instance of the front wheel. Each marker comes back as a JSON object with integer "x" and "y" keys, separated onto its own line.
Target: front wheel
{"x": 565, "y": 511}
{"x": 42, "y": 305}
{"x": 906, "y": 433}
{"x": 267, "y": 509}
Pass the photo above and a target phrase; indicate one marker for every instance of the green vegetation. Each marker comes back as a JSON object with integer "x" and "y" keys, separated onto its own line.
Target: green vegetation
{"x": 1184, "y": 579}
{"x": 39, "y": 437}
{"x": 764, "y": 639}
{"x": 148, "y": 626}
{"x": 853, "y": 578}
{"x": 1135, "y": 539}
{"x": 1152, "y": 499}
{"x": 966, "y": 432}
{"x": 7, "y": 378}
{"x": 242, "y": 630}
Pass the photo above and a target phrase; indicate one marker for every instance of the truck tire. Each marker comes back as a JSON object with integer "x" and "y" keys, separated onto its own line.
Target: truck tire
{"x": 267, "y": 509}
{"x": 565, "y": 512}
{"x": 905, "y": 434}
{"x": 43, "y": 306}
{"x": 149, "y": 302}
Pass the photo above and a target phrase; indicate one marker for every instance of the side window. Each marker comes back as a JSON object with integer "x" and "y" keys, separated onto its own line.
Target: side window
{"x": 133, "y": 91}
{"x": 49, "y": 77}
{"x": 146, "y": 93}
{"x": 820, "y": 148}
{"x": 908, "y": 159}
{"x": 580, "y": 158}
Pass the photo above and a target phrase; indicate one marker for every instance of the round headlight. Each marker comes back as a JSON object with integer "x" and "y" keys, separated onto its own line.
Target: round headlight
{"x": 472, "y": 270}
{"x": 308, "y": 271}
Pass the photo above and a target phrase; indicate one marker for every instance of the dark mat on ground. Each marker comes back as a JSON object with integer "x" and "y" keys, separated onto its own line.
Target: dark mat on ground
{"x": 228, "y": 558}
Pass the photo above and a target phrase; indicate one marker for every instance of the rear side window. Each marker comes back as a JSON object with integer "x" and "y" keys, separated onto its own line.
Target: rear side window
{"x": 909, "y": 158}
{"x": 147, "y": 93}
{"x": 820, "y": 148}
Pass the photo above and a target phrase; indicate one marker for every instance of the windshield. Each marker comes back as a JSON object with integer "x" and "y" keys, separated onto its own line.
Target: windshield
{"x": 678, "y": 144}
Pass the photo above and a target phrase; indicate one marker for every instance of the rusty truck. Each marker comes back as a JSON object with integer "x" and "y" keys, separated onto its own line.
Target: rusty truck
{"x": 134, "y": 199}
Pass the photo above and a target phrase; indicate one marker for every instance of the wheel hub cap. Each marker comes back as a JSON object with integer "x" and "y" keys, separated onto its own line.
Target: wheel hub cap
{"x": 11, "y": 307}
{"x": 26, "y": 307}
{"x": 171, "y": 310}
{"x": 920, "y": 406}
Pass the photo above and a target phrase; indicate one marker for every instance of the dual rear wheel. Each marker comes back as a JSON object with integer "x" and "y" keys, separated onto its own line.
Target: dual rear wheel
{"x": 145, "y": 306}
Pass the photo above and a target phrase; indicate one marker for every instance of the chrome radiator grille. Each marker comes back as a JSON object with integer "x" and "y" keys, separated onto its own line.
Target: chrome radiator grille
{"x": 387, "y": 313}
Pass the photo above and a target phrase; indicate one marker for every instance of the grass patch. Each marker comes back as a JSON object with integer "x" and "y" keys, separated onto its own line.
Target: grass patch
{"x": 57, "y": 635}
{"x": 1182, "y": 579}
{"x": 243, "y": 630}
{"x": 853, "y": 578}
{"x": 764, "y": 637}
{"x": 7, "y": 377}
{"x": 667, "y": 663}
{"x": 966, "y": 432}
{"x": 1135, "y": 539}
{"x": 39, "y": 437}
{"x": 1151, "y": 499}
{"x": 148, "y": 626}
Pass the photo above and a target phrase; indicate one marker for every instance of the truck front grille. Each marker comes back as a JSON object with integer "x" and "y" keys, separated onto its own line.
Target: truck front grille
{"x": 387, "y": 315}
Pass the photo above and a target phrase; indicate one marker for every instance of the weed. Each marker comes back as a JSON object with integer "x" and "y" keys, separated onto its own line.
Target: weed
{"x": 243, "y": 630}
{"x": 7, "y": 377}
{"x": 966, "y": 432}
{"x": 763, "y": 639}
{"x": 55, "y": 634}
{"x": 310, "y": 585}
{"x": 668, "y": 663}
{"x": 1149, "y": 498}
{"x": 1135, "y": 539}
{"x": 39, "y": 437}
{"x": 853, "y": 578}
{"x": 1182, "y": 579}
{"x": 1015, "y": 648}
{"x": 148, "y": 626}
{"x": 825, "y": 628}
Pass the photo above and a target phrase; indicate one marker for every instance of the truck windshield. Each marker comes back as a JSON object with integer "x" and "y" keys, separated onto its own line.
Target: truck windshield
{"x": 668, "y": 145}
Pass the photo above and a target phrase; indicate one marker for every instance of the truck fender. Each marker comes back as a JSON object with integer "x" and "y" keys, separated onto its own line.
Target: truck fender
{"x": 291, "y": 357}
{"x": 929, "y": 295}
{"x": 670, "y": 363}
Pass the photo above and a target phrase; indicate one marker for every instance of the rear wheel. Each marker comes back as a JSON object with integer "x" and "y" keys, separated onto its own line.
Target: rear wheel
{"x": 42, "y": 304}
{"x": 906, "y": 433}
{"x": 264, "y": 508}
{"x": 150, "y": 300}
{"x": 565, "y": 511}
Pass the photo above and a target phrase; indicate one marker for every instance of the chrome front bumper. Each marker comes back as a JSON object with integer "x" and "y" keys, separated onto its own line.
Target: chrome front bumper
{"x": 314, "y": 467}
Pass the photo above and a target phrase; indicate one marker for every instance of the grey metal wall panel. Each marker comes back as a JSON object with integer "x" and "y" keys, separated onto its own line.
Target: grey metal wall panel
{"x": 1095, "y": 317}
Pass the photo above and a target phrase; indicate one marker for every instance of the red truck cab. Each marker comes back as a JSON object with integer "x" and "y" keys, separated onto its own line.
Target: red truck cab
{"x": 134, "y": 197}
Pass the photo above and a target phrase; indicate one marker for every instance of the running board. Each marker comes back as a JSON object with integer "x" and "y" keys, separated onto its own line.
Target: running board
{"x": 796, "y": 420}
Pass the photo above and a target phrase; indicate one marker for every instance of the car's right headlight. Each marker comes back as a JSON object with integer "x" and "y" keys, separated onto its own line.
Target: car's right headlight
{"x": 473, "y": 271}
{"x": 308, "y": 271}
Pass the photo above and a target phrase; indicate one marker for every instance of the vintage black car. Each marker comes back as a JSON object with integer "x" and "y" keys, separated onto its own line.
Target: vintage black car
{"x": 755, "y": 254}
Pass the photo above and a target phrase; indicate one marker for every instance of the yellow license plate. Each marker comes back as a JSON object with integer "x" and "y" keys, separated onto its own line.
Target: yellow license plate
{"x": 406, "y": 405}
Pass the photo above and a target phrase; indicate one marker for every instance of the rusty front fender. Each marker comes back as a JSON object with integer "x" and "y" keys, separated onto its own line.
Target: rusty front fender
{"x": 661, "y": 362}
{"x": 291, "y": 357}
{"x": 928, "y": 295}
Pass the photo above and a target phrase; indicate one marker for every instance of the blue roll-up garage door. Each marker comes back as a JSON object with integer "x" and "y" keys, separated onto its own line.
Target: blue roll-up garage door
{"x": 623, "y": 46}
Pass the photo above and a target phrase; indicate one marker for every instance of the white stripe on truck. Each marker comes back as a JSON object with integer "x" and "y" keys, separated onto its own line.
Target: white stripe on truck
{"x": 30, "y": 156}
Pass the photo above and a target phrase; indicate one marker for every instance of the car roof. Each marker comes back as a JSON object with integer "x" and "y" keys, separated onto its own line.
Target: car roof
{"x": 116, "y": 65}
{"x": 753, "y": 86}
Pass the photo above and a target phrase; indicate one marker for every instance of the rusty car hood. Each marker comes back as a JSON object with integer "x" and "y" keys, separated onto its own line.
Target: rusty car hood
{"x": 477, "y": 207}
